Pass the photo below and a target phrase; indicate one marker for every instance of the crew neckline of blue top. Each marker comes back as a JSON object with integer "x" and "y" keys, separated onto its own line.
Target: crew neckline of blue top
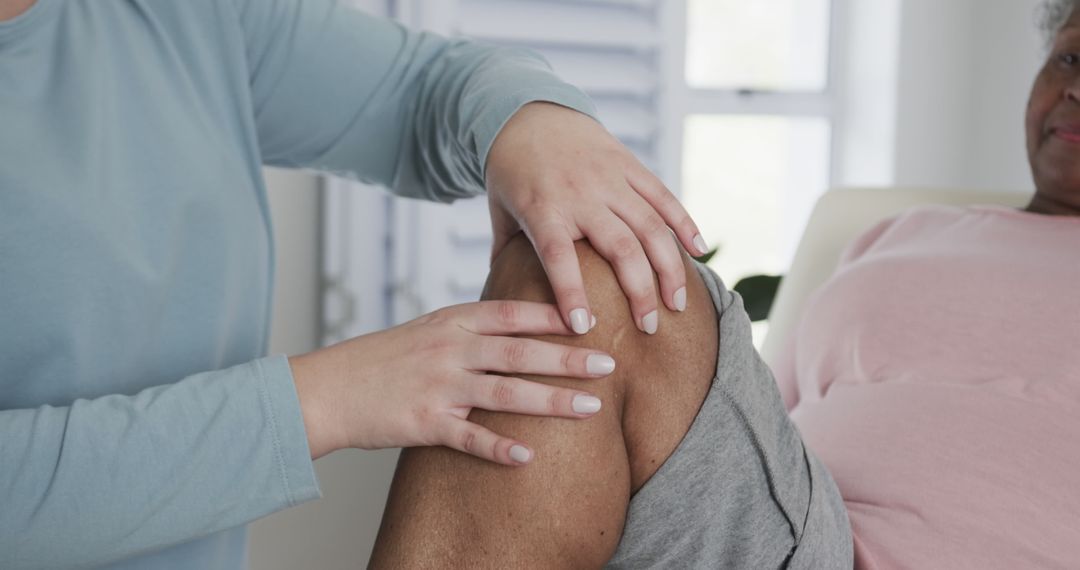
{"x": 19, "y": 24}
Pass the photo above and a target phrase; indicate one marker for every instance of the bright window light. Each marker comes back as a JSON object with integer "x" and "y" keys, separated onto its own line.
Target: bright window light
{"x": 777, "y": 45}
{"x": 750, "y": 182}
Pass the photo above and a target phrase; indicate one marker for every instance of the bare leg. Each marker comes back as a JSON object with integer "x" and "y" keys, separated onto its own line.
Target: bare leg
{"x": 567, "y": 508}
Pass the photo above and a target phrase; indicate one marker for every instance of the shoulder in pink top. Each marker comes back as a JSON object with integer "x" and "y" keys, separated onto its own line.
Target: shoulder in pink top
{"x": 938, "y": 376}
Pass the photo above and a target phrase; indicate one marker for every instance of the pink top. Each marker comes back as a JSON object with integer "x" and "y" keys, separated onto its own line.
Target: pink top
{"x": 939, "y": 380}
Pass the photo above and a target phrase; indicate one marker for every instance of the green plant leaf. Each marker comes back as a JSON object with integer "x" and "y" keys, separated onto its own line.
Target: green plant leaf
{"x": 758, "y": 293}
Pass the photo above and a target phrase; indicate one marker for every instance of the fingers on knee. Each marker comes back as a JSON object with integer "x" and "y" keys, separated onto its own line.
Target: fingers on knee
{"x": 503, "y": 393}
{"x": 515, "y": 355}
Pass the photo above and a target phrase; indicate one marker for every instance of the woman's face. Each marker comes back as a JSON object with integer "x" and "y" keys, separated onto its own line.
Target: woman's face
{"x": 1053, "y": 123}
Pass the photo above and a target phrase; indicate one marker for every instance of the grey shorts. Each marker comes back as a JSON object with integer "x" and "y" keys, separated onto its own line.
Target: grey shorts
{"x": 741, "y": 490}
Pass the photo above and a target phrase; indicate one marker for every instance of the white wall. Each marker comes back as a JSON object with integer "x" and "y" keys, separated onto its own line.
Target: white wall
{"x": 865, "y": 92}
{"x": 965, "y": 68}
{"x": 294, "y": 208}
{"x": 1003, "y": 76}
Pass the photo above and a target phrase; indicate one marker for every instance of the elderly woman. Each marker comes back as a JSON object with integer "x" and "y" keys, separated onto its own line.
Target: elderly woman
{"x": 937, "y": 374}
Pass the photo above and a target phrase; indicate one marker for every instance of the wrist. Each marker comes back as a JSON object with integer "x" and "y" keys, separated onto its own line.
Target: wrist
{"x": 310, "y": 389}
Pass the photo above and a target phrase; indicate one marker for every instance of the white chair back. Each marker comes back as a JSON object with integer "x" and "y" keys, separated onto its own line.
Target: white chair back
{"x": 839, "y": 217}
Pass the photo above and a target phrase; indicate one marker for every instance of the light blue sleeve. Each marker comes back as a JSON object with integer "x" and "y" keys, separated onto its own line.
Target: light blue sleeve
{"x": 331, "y": 89}
{"x": 167, "y": 465}
{"x": 337, "y": 90}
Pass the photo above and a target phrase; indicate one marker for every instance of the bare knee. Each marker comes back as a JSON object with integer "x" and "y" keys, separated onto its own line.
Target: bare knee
{"x": 518, "y": 274}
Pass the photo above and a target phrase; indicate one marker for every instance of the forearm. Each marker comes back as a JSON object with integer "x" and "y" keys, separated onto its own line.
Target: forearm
{"x": 108, "y": 478}
{"x": 318, "y": 403}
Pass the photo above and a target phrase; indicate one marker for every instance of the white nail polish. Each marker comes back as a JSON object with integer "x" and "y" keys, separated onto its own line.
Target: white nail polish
{"x": 699, "y": 243}
{"x": 586, "y": 404}
{"x": 650, "y": 322}
{"x": 599, "y": 364}
{"x": 519, "y": 453}
{"x": 593, "y": 323}
{"x": 579, "y": 321}
{"x": 680, "y": 299}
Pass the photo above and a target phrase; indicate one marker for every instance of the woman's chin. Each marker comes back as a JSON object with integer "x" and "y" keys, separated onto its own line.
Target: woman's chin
{"x": 1057, "y": 183}
{"x": 1057, "y": 175}
{"x": 1057, "y": 192}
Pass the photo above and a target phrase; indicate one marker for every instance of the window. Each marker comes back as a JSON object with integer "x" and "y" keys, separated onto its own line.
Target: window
{"x": 763, "y": 45}
{"x": 756, "y": 118}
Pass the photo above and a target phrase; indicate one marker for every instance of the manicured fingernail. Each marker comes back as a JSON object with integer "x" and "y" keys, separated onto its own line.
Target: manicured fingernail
{"x": 586, "y": 404}
{"x": 650, "y": 322}
{"x": 520, "y": 454}
{"x": 680, "y": 299}
{"x": 599, "y": 364}
{"x": 579, "y": 321}
{"x": 593, "y": 323}
{"x": 699, "y": 243}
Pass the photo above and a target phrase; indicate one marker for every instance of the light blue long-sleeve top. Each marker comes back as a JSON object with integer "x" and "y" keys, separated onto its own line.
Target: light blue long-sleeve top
{"x": 141, "y": 425}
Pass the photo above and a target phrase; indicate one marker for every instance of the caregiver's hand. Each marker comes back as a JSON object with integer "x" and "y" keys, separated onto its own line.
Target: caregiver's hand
{"x": 560, "y": 176}
{"x": 415, "y": 384}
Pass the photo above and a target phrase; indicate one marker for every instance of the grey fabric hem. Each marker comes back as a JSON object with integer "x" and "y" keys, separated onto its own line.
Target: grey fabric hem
{"x": 828, "y": 542}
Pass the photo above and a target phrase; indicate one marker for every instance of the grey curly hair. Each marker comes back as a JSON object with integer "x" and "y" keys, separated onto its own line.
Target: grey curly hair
{"x": 1052, "y": 15}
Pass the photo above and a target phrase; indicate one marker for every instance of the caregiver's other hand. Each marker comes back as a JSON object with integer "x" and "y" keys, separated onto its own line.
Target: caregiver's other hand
{"x": 560, "y": 176}
{"x": 415, "y": 384}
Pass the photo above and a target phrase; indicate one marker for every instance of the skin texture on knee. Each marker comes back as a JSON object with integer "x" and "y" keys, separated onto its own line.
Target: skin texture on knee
{"x": 567, "y": 508}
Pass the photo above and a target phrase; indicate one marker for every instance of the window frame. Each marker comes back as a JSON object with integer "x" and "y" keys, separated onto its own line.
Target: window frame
{"x": 680, "y": 100}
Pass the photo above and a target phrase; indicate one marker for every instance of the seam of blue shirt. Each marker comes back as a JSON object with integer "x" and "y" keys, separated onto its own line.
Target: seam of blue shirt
{"x": 265, "y": 394}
